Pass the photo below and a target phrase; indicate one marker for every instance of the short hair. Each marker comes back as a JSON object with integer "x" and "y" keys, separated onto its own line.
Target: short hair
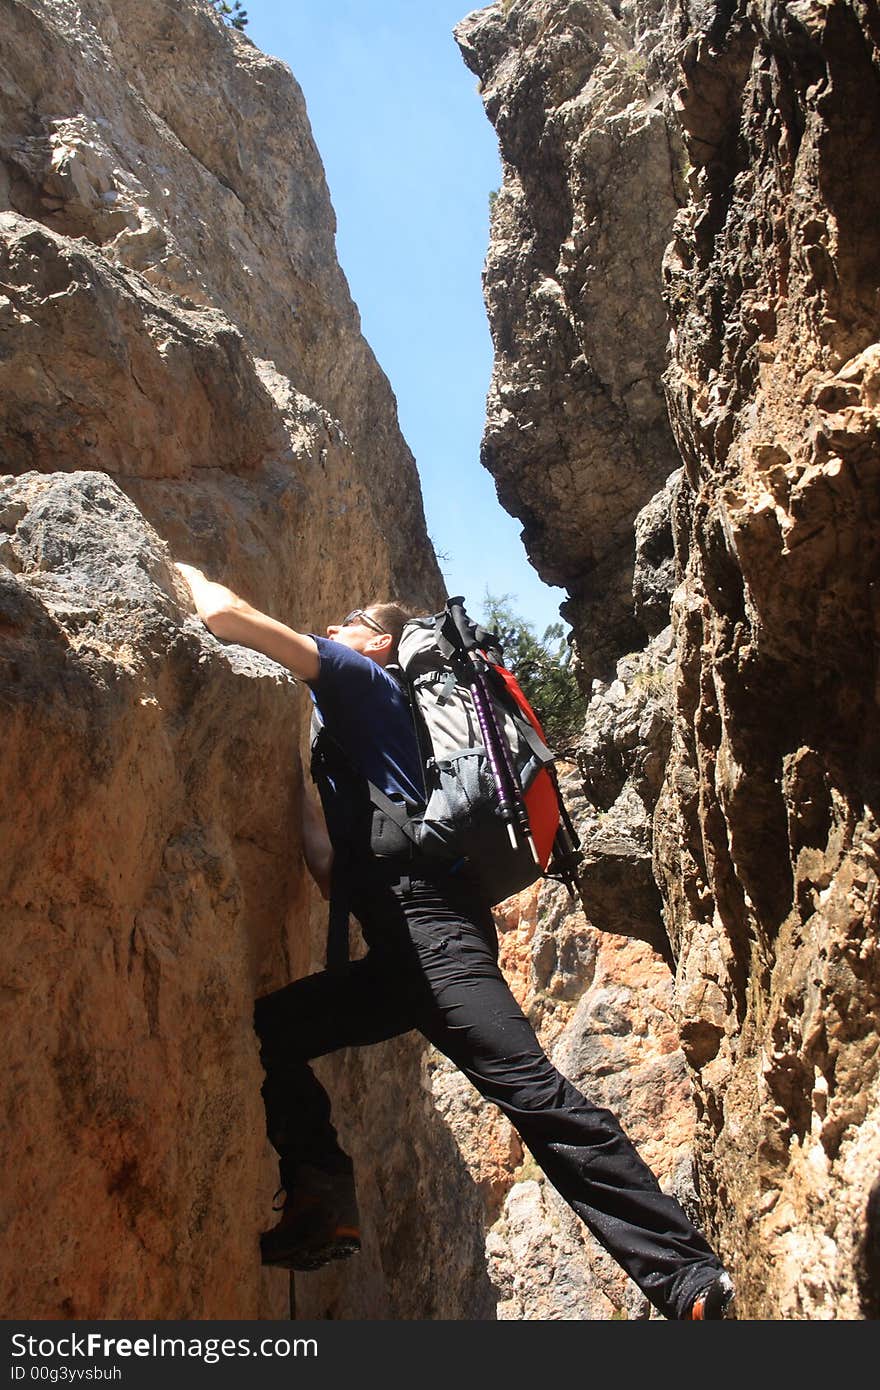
{"x": 391, "y": 616}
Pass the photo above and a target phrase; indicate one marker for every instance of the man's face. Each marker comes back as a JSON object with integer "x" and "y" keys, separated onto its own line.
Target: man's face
{"x": 363, "y": 634}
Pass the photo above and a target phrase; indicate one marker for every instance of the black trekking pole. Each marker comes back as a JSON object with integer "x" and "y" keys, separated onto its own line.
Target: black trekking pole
{"x": 566, "y": 844}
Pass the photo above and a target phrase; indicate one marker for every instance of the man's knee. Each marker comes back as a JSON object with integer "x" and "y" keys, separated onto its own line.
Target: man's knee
{"x": 266, "y": 1014}
{"x": 535, "y": 1084}
{"x": 279, "y": 1018}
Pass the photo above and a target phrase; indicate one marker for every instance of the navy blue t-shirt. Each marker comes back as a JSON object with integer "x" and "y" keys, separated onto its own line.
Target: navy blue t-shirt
{"x": 368, "y": 716}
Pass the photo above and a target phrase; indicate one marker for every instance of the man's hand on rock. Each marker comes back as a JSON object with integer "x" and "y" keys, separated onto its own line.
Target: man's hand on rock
{"x": 208, "y": 598}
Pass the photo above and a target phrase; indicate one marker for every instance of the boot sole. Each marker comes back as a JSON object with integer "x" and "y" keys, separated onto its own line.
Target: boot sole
{"x": 344, "y": 1244}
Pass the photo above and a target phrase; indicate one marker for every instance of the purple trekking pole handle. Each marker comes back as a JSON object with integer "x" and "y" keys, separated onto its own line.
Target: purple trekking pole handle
{"x": 510, "y": 802}
{"x": 512, "y": 780}
{"x": 505, "y": 804}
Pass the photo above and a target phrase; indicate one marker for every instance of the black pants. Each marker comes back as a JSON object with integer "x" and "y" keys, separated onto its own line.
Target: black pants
{"x": 432, "y": 966}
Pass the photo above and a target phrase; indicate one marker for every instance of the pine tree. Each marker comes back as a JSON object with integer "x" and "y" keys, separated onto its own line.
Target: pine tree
{"x": 235, "y": 15}
{"x": 542, "y": 665}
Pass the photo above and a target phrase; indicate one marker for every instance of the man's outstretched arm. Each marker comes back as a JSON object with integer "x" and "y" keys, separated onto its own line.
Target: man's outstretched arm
{"x": 232, "y": 619}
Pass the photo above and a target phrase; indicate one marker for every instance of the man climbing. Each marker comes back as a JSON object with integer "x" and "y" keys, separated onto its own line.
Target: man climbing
{"x": 431, "y": 965}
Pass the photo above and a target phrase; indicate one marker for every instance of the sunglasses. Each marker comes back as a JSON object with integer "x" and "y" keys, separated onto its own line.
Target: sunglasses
{"x": 359, "y": 616}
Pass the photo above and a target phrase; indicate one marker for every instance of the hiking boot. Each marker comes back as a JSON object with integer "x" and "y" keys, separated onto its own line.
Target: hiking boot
{"x": 319, "y": 1222}
{"x": 716, "y": 1301}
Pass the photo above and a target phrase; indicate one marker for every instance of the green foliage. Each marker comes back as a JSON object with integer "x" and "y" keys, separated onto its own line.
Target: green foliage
{"x": 654, "y": 683}
{"x": 543, "y": 668}
{"x": 634, "y": 63}
{"x": 235, "y": 15}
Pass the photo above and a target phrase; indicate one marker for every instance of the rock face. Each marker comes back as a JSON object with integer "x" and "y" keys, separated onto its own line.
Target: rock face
{"x": 147, "y": 887}
{"x": 172, "y": 263}
{"x": 577, "y": 435}
{"x": 742, "y": 140}
{"x": 682, "y": 286}
{"x": 182, "y": 377}
{"x": 770, "y": 869}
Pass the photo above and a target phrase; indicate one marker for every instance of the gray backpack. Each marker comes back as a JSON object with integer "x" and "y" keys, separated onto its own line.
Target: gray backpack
{"x": 492, "y": 806}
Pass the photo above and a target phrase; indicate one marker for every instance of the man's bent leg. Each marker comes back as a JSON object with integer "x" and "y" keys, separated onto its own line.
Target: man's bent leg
{"x": 582, "y": 1148}
{"x": 308, "y": 1019}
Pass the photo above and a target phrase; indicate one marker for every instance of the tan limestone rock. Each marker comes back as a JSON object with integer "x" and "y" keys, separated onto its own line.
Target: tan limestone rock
{"x": 767, "y": 835}
{"x": 577, "y": 436}
{"x": 183, "y": 378}
{"x": 757, "y": 821}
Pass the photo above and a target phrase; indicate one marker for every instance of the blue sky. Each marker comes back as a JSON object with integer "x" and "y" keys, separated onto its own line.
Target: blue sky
{"x": 411, "y": 160}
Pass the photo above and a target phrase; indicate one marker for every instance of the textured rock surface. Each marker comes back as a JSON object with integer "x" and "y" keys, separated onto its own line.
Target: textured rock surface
{"x": 182, "y": 377}
{"x": 622, "y": 757}
{"x": 169, "y": 146}
{"x": 762, "y": 823}
{"x": 182, "y": 153}
{"x": 577, "y": 435}
{"x": 767, "y": 833}
{"x": 145, "y": 889}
